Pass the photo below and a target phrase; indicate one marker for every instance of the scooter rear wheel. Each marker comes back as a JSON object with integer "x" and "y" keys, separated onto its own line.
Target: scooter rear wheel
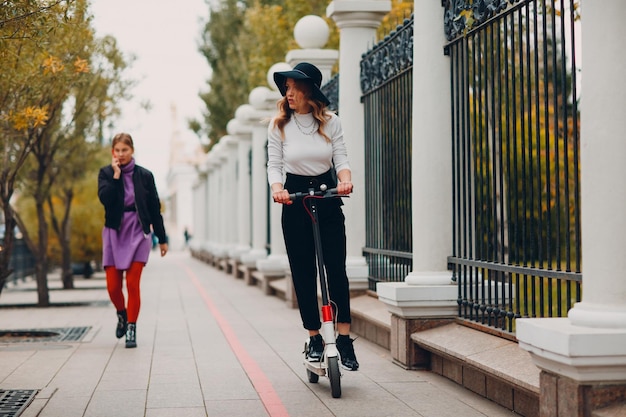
{"x": 335, "y": 376}
{"x": 313, "y": 377}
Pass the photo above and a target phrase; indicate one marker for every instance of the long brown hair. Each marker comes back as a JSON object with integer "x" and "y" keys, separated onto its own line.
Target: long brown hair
{"x": 319, "y": 111}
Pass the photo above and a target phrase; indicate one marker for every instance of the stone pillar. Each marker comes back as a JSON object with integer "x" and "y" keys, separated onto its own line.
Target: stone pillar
{"x": 583, "y": 356}
{"x": 263, "y": 102}
{"x": 276, "y": 263}
{"x": 208, "y": 205}
{"x": 199, "y": 209}
{"x": 427, "y": 297}
{"x": 216, "y": 160}
{"x": 242, "y": 134}
{"x": 357, "y": 22}
{"x": 228, "y": 195}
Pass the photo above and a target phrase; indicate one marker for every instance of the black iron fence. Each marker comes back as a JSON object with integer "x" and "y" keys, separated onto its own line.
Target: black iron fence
{"x": 331, "y": 91}
{"x": 387, "y": 86}
{"x": 516, "y": 190}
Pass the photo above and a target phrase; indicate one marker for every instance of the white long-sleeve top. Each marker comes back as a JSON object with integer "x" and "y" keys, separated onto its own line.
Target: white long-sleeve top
{"x": 303, "y": 154}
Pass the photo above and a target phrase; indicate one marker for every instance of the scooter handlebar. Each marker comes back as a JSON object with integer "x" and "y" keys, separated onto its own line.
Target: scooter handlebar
{"x": 331, "y": 192}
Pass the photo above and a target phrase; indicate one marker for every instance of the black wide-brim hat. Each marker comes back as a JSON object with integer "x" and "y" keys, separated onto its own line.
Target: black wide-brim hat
{"x": 303, "y": 71}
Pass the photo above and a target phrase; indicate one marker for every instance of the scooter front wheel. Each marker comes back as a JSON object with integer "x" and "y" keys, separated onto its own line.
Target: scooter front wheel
{"x": 335, "y": 376}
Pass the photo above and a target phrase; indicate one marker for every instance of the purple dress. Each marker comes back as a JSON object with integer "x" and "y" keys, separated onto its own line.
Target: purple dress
{"x": 129, "y": 244}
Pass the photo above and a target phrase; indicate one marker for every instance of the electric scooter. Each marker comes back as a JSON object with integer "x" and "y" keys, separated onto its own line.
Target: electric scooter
{"x": 329, "y": 364}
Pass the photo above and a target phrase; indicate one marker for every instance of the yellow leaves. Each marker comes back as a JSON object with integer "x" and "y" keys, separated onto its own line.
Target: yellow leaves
{"x": 30, "y": 117}
{"x": 468, "y": 15}
{"x": 81, "y": 66}
{"x": 52, "y": 65}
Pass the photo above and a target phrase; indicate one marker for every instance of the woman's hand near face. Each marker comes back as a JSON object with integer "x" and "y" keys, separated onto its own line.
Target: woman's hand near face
{"x": 115, "y": 164}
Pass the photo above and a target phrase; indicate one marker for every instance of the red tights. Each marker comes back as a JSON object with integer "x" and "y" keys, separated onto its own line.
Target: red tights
{"x": 114, "y": 286}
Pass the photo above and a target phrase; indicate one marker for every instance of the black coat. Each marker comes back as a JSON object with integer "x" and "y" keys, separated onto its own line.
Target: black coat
{"x": 147, "y": 203}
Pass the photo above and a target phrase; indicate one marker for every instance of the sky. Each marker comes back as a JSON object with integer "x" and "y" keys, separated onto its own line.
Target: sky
{"x": 164, "y": 36}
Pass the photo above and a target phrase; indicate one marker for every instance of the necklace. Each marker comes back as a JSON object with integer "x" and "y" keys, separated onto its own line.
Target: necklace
{"x": 306, "y": 129}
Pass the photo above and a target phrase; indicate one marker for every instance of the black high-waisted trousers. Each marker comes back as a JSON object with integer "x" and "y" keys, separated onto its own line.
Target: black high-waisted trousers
{"x": 300, "y": 246}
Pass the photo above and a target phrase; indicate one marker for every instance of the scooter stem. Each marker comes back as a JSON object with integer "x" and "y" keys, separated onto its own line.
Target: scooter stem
{"x": 328, "y": 334}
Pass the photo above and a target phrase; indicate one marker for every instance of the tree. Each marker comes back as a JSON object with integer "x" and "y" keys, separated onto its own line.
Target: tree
{"x": 94, "y": 101}
{"x": 243, "y": 39}
{"x": 228, "y": 84}
{"x": 268, "y": 34}
{"x": 65, "y": 85}
{"x": 75, "y": 225}
{"x": 24, "y": 28}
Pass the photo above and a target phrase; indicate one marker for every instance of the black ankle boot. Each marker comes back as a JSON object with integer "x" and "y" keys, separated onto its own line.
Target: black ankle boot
{"x": 131, "y": 335}
{"x": 120, "y": 330}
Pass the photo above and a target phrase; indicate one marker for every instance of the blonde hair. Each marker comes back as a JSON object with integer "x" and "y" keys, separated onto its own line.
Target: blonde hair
{"x": 319, "y": 111}
{"x": 125, "y": 138}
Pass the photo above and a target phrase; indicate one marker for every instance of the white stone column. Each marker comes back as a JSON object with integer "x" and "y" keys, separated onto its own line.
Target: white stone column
{"x": 589, "y": 345}
{"x": 221, "y": 199}
{"x": 228, "y": 195}
{"x": 357, "y": 22}
{"x": 428, "y": 290}
{"x": 215, "y": 162}
{"x": 277, "y": 261}
{"x": 199, "y": 210}
{"x": 206, "y": 208}
{"x": 263, "y": 103}
{"x": 242, "y": 134}
{"x": 180, "y": 181}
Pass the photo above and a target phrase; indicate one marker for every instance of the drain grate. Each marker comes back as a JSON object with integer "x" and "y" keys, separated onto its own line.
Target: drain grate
{"x": 14, "y": 402}
{"x": 55, "y": 334}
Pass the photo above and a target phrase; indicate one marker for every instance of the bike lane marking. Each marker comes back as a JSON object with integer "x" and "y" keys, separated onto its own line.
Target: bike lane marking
{"x": 261, "y": 383}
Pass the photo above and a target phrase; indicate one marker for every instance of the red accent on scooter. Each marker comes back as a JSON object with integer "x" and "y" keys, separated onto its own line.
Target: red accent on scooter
{"x": 327, "y": 313}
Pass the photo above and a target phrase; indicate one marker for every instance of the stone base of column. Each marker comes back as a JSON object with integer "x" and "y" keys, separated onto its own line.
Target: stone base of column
{"x": 357, "y": 271}
{"x": 419, "y": 301}
{"x": 416, "y": 307}
{"x": 564, "y": 397}
{"x": 235, "y": 252}
{"x": 250, "y": 259}
{"x": 583, "y": 368}
{"x": 273, "y": 264}
{"x": 403, "y": 351}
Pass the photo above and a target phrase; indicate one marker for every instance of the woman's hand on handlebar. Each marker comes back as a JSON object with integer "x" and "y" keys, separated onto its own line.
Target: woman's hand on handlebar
{"x": 344, "y": 187}
{"x": 282, "y": 197}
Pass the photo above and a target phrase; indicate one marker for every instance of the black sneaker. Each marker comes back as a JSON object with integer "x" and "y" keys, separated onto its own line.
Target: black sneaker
{"x": 315, "y": 348}
{"x": 346, "y": 351}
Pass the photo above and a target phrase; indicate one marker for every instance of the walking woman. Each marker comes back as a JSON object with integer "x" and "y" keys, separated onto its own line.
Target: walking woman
{"x": 305, "y": 140}
{"x": 132, "y": 210}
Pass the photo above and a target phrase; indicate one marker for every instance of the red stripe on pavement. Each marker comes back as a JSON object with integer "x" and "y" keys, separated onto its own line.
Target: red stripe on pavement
{"x": 261, "y": 383}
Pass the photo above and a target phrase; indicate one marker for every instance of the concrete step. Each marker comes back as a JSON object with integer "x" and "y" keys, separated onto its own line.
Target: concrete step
{"x": 370, "y": 319}
{"x": 491, "y": 366}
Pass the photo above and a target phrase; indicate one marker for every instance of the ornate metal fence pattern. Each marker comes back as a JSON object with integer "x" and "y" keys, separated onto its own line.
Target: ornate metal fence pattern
{"x": 515, "y": 122}
{"x": 387, "y": 86}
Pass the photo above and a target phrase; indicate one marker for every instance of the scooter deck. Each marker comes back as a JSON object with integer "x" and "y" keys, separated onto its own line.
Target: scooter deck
{"x": 318, "y": 368}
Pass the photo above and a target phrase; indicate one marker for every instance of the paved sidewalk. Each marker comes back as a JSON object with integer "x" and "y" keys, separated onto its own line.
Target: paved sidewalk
{"x": 208, "y": 345}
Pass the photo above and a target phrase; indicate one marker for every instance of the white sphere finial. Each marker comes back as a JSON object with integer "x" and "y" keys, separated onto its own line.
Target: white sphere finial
{"x": 257, "y": 96}
{"x": 280, "y": 66}
{"x": 311, "y": 32}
